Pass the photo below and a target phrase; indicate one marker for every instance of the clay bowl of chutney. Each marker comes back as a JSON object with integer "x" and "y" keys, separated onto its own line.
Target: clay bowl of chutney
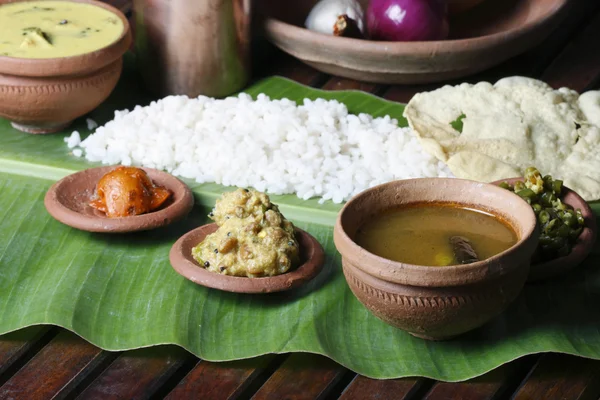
{"x": 58, "y": 60}
{"x": 436, "y": 257}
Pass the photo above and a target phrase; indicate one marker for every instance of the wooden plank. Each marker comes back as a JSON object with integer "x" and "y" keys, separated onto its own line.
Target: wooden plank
{"x": 55, "y": 370}
{"x": 302, "y": 376}
{"x": 226, "y": 380}
{"x": 362, "y": 388}
{"x": 560, "y": 376}
{"x": 495, "y": 384}
{"x": 578, "y": 66}
{"x": 137, "y": 374}
{"x": 15, "y": 344}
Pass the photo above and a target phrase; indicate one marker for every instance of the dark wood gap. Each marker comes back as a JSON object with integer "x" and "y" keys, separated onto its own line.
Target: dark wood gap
{"x": 363, "y": 388}
{"x": 319, "y": 81}
{"x": 93, "y": 373}
{"x": 420, "y": 389}
{"x": 343, "y": 378}
{"x": 524, "y": 367}
{"x": 380, "y": 90}
{"x": 138, "y": 374}
{"x": 31, "y": 350}
{"x": 561, "y": 376}
{"x": 14, "y": 344}
{"x": 344, "y": 381}
{"x": 254, "y": 383}
{"x": 594, "y": 84}
{"x": 302, "y": 376}
{"x": 177, "y": 376}
{"x": 525, "y": 378}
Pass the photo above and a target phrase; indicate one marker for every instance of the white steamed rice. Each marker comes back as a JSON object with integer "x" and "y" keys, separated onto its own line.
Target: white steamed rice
{"x": 316, "y": 149}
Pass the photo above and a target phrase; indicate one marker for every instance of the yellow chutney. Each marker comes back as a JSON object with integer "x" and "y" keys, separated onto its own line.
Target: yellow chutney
{"x": 51, "y": 29}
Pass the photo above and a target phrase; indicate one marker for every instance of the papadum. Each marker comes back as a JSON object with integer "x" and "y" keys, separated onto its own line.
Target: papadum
{"x": 517, "y": 123}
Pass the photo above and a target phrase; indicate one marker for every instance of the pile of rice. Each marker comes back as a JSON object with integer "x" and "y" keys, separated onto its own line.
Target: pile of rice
{"x": 316, "y": 149}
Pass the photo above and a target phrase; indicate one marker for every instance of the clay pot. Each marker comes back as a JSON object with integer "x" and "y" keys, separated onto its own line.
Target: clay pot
{"x": 436, "y": 302}
{"x": 46, "y": 95}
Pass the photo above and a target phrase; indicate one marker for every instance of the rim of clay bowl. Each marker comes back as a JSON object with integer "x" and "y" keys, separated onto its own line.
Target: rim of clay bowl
{"x": 373, "y": 48}
{"x": 183, "y": 263}
{"x": 483, "y": 196}
{"x": 65, "y": 66}
{"x": 582, "y": 248}
{"x": 68, "y": 202}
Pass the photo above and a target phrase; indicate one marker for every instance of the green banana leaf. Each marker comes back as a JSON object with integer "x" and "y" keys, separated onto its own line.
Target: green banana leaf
{"x": 119, "y": 291}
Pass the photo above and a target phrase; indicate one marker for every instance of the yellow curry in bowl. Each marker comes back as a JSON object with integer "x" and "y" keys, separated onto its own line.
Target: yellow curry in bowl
{"x": 52, "y": 29}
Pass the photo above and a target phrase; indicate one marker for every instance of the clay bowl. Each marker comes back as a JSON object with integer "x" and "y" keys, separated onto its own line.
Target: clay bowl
{"x": 68, "y": 202}
{"x": 311, "y": 255}
{"x": 46, "y": 95}
{"x": 581, "y": 249}
{"x": 436, "y": 302}
{"x": 481, "y": 37}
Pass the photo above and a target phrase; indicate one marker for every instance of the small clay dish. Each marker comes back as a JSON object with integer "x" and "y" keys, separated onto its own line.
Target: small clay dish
{"x": 436, "y": 302}
{"x": 482, "y": 36}
{"x": 581, "y": 249}
{"x": 44, "y": 95}
{"x": 68, "y": 202}
{"x": 311, "y": 256}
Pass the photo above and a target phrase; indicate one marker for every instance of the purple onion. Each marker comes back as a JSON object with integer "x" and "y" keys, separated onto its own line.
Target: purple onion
{"x": 407, "y": 20}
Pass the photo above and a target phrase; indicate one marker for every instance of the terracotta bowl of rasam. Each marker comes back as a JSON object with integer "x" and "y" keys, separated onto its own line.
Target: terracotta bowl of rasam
{"x": 44, "y": 95}
{"x": 433, "y": 302}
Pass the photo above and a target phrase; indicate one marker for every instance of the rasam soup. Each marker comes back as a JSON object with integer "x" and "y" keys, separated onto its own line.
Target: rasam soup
{"x": 435, "y": 235}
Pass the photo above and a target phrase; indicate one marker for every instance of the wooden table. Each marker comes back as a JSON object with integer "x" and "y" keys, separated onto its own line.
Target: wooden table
{"x": 50, "y": 362}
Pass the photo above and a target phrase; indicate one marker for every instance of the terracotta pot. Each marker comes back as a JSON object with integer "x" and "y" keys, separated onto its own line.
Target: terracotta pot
{"x": 436, "y": 302}
{"x": 46, "y": 95}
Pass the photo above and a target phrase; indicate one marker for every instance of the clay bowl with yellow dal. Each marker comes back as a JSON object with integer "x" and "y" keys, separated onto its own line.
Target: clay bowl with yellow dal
{"x": 428, "y": 301}
{"x": 58, "y": 60}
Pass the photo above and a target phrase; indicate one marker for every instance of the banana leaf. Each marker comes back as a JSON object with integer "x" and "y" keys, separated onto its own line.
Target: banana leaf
{"x": 119, "y": 291}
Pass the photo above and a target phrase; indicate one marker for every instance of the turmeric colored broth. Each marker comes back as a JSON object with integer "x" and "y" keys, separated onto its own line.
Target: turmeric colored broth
{"x": 49, "y": 29}
{"x": 420, "y": 234}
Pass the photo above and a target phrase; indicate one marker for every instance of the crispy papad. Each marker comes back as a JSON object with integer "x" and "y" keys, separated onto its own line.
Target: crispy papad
{"x": 517, "y": 123}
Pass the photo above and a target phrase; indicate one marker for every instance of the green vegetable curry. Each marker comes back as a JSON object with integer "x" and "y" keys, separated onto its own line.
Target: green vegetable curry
{"x": 560, "y": 224}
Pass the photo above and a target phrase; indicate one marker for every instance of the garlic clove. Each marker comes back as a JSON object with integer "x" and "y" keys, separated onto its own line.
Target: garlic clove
{"x": 346, "y": 27}
{"x": 346, "y": 16}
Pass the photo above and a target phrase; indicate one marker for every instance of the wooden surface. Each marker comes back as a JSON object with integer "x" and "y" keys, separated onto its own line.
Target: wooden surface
{"x": 49, "y": 362}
